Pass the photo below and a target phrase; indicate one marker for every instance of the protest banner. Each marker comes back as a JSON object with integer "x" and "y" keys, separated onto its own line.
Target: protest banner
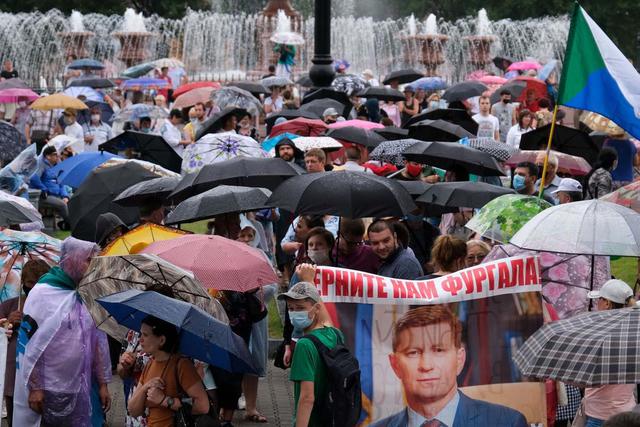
{"x": 506, "y": 276}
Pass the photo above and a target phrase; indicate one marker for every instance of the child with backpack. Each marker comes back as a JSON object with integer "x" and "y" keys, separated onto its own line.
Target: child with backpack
{"x": 325, "y": 374}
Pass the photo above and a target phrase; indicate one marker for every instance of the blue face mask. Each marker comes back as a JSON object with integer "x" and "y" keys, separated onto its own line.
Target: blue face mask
{"x": 300, "y": 319}
{"x": 518, "y": 182}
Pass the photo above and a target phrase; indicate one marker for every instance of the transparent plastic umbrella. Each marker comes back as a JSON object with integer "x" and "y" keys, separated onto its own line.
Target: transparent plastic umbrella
{"x": 230, "y": 96}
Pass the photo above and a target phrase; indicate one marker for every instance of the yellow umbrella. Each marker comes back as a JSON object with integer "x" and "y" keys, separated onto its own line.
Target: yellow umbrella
{"x": 58, "y": 101}
{"x": 140, "y": 237}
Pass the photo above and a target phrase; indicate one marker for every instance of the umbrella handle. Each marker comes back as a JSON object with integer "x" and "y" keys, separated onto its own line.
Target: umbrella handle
{"x": 546, "y": 155}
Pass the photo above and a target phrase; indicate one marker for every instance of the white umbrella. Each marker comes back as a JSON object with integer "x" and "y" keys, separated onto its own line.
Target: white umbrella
{"x": 218, "y": 147}
{"x": 590, "y": 227}
{"x": 275, "y": 81}
{"x": 287, "y": 37}
{"x": 305, "y": 143}
{"x": 168, "y": 62}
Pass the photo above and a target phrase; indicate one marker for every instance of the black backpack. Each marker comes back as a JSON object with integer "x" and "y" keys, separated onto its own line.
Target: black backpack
{"x": 342, "y": 405}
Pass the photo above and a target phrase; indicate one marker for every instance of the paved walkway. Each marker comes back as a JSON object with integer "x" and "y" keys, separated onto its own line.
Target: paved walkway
{"x": 275, "y": 401}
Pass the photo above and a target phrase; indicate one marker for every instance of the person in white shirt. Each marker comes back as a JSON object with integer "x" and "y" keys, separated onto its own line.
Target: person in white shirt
{"x": 171, "y": 133}
{"x": 275, "y": 102}
{"x": 367, "y": 75}
{"x": 525, "y": 118}
{"x": 488, "y": 125}
{"x": 72, "y": 127}
{"x": 353, "y": 161}
{"x": 95, "y": 131}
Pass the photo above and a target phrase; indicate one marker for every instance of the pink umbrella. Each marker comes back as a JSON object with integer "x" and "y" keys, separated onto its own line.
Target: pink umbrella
{"x": 567, "y": 163}
{"x": 362, "y": 124}
{"x": 492, "y": 80}
{"x": 12, "y": 95}
{"x": 217, "y": 262}
{"x": 201, "y": 94}
{"x": 524, "y": 65}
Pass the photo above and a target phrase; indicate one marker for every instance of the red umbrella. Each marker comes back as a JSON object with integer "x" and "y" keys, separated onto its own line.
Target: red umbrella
{"x": 217, "y": 262}
{"x": 201, "y": 94}
{"x": 537, "y": 85}
{"x": 194, "y": 85}
{"x": 300, "y": 126}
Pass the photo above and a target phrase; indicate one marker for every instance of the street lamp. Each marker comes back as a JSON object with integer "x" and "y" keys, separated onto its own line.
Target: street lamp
{"x": 322, "y": 72}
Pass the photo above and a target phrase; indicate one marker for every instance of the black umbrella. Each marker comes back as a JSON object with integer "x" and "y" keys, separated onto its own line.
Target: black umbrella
{"x": 12, "y": 212}
{"x": 290, "y": 114}
{"x": 324, "y": 93}
{"x": 392, "y": 133}
{"x": 143, "y": 192}
{"x": 318, "y": 106}
{"x": 242, "y": 171}
{"x": 343, "y": 193}
{"x": 565, "y": 140}
{"x": 416, "y": 189}
{"x": 382, "y": 93}
{"x": 357, "y": 135}
{"x": 95, "y": 196}
{"x": 146, "y": 146}
{"x": 106, "y": 112}
{"x": 438, "y": 130}
{"x": 214, "y": 123}
{"x": 456, "y": 116}
{"x": 219, "y": 200}
{"x": 12, "y": 142}
{"x": 403, "y": 76}
{"x": 256, "y": 89}
{"x": 464, "y": 194}
{"x": 515, "y": 88}
{"x": 598, "y": 138}
{"x": 450, "y": 156}
{"x": 503, "y": 62}
{"x": 464, "y": 90}
{"x": 304, "y": 81}
{"x": 95, "y": 82}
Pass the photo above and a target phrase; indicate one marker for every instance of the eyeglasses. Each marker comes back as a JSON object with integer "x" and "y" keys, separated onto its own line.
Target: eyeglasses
{"x": 350, "y": 242}
{"x": 475, "y": 257}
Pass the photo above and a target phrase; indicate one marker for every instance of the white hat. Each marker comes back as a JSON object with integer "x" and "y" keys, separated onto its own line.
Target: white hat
{"x": 613, "y": 290}
{"x": 368, "y": 73}
{"x": 568, "y": 184}
{"x": 330, "y": 112}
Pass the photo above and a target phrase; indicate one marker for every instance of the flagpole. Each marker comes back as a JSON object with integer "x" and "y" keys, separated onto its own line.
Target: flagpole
{"x": 546, "y": 155}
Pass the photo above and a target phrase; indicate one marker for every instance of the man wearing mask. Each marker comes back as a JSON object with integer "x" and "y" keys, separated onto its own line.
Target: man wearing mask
{"x": 72, "y": 127}
{"x": 171, "y": 133}
{"x": 569, "y": 191}
{"x": 145, "y": 124}
{"x": 397, "y": 262}
{"x": 551, "y": 180}
{"x": 95, "y": 131}
{"x": 190, "y": 129}
{"x": 524, "y": 180}
{"x": 505, "y": 111}
{"x": 330, "y": 115}
{"x": 412, "y": 171}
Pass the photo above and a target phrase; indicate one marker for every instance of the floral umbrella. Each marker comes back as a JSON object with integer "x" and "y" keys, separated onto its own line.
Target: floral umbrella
{"x": 217, "y": 147}
{"x": 18, "y": 247}
{"x": 391, "y": 151}
{"x": 566, "y": 278}
{"x": 628, "y": 196}
{"x": 502, "y": 217}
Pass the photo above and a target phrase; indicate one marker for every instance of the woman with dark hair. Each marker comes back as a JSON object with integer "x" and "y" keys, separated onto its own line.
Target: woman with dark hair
{"x": 166, "y": 377}
{"x": 525, "y": 120}
{"x": 600, "y": 181}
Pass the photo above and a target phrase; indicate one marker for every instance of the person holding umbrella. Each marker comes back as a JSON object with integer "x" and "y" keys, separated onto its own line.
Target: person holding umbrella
{"x": 165, "y": 377}
{"x": 602, "y": 402}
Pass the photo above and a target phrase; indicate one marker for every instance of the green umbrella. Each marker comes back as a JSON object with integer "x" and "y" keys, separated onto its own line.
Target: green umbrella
{"x": 502, "y": 217}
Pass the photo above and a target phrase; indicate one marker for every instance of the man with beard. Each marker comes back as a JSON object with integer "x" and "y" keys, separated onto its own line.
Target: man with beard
{"x": 287, "y": 151}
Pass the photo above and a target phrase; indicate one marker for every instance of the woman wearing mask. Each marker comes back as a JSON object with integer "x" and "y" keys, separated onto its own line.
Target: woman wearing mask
{"x": 258, "y": 341}
{"x": 602, "y": 402}
{"x": 448, "y": 255}
{"x": 524, "y": 125}
{"x": 476, "y": 251}
{"x": 308, "y": 372}
{"x": 600, "y": 179}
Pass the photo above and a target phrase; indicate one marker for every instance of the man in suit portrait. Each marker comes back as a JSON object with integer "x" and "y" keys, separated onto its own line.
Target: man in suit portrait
{"x": 427, "y": 357}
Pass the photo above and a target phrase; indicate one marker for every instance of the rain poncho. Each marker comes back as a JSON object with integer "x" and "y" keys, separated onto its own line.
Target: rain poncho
{"x": 60, "y": 350}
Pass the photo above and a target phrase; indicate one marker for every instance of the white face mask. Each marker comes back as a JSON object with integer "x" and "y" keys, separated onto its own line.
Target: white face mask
{"x": 95, "y": 118}
{"x": 22, "y": 104}
{"x": 318, "y": 256}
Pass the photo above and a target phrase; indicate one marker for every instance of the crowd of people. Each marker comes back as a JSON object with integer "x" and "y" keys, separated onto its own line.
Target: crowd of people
{"x": 64, "y": 362}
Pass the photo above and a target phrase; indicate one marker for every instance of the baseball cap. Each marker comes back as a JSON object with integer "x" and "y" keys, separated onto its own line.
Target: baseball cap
{"x": 613, "y": 290}
{"x": 568, "y": 184}
{"x": 302, "y": 290}
{"x": 330, "y": 112}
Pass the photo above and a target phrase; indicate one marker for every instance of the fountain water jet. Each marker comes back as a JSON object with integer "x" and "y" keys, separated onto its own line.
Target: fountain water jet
{"x": 134, "y": 38}
{"x": 428, "y": 45}
{"x": 74, "y": 41}
{"x": 479, "y": 45}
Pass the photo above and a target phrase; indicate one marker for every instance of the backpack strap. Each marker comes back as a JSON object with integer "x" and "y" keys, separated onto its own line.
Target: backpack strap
{"x": 323, "y": 349}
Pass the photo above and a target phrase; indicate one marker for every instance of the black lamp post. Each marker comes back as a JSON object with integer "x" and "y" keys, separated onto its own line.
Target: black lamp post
{"x": 322, "y": 72}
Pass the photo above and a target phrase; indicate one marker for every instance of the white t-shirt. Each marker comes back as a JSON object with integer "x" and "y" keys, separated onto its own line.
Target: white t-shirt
{"x": 277, "y": 105}
{"x": 487, "y": 125}
{"x": 172, "y": 135}
{"x": 75, "y": 131}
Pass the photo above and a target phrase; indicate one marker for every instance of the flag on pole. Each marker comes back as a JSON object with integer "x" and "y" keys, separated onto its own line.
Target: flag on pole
{"x": 597, "y": 77}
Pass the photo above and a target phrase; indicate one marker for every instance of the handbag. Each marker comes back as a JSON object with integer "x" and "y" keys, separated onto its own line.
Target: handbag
{"x": 279, "y": 356}
{"x": 183, "y": 416}
{"x": 580, "y": 419}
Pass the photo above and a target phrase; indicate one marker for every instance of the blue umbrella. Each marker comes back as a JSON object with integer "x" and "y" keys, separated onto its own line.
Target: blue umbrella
{"x": 201, "y": 335}
{"x": 143, "y": 83}
{"x": 270, "y": 143}
{"x": 89, "y": 93}
{"x": 548, "y": 68}
{"x": 76, "y": 169}
{"x": 429, "y": 83}
{"x": 138, "y": 70}
{"x": 84, "y": 63}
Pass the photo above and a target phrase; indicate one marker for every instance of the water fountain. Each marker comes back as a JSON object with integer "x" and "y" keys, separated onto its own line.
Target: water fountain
{"x": 75, "y": 41}
{"x": 479, "y": 44}
{"x": 134, "y": 39}
{"x": 429, "y": 45}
